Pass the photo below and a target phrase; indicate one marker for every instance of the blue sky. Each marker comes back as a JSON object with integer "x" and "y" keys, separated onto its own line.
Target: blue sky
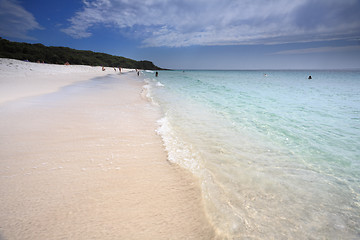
{"x": 196, "y": 34}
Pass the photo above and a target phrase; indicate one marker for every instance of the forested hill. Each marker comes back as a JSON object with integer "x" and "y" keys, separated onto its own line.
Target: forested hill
{"x": 61, "y": 55}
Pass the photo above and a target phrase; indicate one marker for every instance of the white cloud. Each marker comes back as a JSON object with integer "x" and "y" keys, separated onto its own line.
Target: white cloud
{"x": 15, "y": 21}
{"x": 320, "y": 50}
{"x": 220, "y": 22}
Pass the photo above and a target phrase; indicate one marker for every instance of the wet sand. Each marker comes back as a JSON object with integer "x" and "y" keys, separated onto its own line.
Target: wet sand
{"x": 83, "y": 161}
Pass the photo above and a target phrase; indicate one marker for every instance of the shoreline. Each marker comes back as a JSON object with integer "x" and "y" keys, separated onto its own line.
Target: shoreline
{"x": 84, "y": 161}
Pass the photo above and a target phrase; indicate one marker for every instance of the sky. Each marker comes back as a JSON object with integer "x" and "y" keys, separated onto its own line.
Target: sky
{"x": 196, "y": 34}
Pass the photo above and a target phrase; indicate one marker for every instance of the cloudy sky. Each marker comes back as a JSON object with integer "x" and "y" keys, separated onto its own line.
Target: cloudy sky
{"x": 196, "y": 34}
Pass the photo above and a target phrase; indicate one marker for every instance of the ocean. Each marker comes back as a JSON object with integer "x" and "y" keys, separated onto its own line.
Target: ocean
{"x": 277, "y": 154}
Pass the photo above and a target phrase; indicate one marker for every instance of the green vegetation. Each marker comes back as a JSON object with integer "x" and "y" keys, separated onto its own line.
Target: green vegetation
{"x": 61, "y": 55}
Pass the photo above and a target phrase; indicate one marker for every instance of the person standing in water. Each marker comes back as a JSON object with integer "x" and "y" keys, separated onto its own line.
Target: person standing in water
{"x": 156, "y": 74}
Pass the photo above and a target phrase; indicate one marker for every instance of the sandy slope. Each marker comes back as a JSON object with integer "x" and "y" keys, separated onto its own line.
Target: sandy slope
{"x": 21, "y": 79}
{"x": 84, "y": 162}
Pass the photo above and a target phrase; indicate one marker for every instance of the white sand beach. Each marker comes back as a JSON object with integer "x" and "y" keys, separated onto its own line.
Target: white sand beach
{"x": 23, "y": 79}
{"x": 80, "y": 159}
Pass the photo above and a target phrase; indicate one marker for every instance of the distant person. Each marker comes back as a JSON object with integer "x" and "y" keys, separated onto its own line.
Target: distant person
{"x": 310, "y": 77}
{"x": 115, "y": 69}
{"x": 103, "y": 68}
{"x": 67, "y": 63}
{"x": 120, "y": 69}
{"x": 138, "y": 72}
{"x": 156, "y": 74}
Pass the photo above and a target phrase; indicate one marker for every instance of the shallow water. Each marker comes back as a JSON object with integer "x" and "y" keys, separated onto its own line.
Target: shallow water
{"x": 278, "y": 154}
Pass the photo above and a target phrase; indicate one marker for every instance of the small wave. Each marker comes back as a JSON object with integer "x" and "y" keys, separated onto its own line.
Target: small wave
{"x": 183, "y": 154}
{"x": 178, "y": 151}
{"x": 146, "y": 92}
{"x": 149, "y": 71}
{"x": 159, "y": 84}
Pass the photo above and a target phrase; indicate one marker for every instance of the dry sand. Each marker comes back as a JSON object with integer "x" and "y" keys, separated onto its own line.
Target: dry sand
{"x": 80, "y": 159}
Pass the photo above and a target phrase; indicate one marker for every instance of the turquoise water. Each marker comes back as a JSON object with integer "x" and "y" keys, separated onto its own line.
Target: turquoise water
{"x": 278, "y": 155}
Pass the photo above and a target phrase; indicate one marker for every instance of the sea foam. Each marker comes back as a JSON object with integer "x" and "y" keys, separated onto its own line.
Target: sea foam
{"x": 178, "y": 151}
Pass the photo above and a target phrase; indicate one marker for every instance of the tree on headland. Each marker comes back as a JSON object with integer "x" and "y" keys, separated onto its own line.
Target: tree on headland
{"x": 61, "y": 55}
